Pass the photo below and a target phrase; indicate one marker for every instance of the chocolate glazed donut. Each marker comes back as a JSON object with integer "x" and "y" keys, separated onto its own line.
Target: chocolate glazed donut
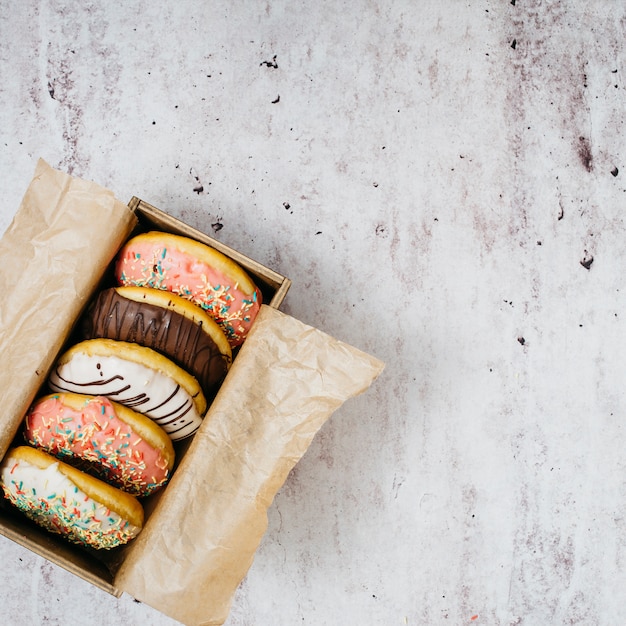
{"x": 183, "y": 340}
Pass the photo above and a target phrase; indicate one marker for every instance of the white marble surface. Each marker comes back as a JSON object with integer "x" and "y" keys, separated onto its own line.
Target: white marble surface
{"x": 431, "y": 175}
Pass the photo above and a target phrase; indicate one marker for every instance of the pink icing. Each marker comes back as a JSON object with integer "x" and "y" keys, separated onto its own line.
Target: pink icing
{"x": 96, "y": 436}
{"x": 145, "y": 264}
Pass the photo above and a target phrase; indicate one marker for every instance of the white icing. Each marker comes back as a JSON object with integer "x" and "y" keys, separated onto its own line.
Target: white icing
{"x": 135, "y": 385}
{"x": 24, "y": 482}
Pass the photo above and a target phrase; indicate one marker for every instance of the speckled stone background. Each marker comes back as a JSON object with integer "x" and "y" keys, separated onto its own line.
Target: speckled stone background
{"x": 444, "y": 181}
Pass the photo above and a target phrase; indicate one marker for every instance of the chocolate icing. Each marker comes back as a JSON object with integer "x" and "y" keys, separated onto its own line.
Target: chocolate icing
{"x": 184, "y": 341}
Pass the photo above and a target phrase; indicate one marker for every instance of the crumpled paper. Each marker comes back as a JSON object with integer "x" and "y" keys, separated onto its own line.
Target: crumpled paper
{"x": 203, "y": 529}
{"x": 201, "y": 538}
{"x": 53, "y": 253}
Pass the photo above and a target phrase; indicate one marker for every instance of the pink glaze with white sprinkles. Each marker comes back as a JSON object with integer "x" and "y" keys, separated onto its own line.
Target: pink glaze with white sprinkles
{"x": 53, "y": 501}
{"x": 143, "y": 264}
{"x": 96, "y": 440}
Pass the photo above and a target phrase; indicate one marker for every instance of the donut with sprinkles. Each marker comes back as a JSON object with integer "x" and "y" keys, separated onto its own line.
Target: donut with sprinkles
{"x": 68, "y": 502}
{"x": 103, "y": 438}
{"x": 196, "y": 272}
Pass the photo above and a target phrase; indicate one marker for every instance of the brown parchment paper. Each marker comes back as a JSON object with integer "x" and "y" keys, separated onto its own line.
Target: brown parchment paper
{"x": 201, "y": 538}
{"x": 64, "y": 234}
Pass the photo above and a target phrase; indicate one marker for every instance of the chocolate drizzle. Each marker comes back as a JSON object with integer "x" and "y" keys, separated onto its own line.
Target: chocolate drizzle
{"x": 180, "y": 339}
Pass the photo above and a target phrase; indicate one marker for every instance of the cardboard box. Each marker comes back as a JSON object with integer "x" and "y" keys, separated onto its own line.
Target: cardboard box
{"x": 98, "y": 568}
{"x": 285, "y": 382}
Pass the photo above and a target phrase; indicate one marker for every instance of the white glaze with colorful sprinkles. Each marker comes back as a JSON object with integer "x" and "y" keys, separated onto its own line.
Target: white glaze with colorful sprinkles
{"x": 53, "y": 501}
{"x": 134, "y": 385}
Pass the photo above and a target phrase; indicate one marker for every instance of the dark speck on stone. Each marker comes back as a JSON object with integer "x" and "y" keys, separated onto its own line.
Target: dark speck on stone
{"x": 521, "y": 340}
{"x": 199, "y": 189}
{"x": 271, "y": 63}
{"x": 615, "y": 171}
{"x": 217, "y": 226}
{"x": 587, "y": 260}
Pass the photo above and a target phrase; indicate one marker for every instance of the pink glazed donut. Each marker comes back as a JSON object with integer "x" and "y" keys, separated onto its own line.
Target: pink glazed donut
{"x": 195, "y": 272}
{"x": 102, "y": 438}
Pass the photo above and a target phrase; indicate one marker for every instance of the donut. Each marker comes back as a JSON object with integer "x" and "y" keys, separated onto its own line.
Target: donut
{"x": 135, "y": 376}
{"x": 103, "y": 438}
{"x": 165, "y": 322}
{"x": 195, "y": 272}
{"x": 68, "y": 502}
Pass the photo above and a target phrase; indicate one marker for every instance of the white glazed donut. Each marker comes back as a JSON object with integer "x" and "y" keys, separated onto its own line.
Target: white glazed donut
{"x": 68, "y": 502}
{"x": 137, "y": 377}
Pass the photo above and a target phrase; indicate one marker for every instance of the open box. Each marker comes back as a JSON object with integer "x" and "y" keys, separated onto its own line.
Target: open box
{"x": 90, "y": 564}
{"x": 203, "y": 529}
